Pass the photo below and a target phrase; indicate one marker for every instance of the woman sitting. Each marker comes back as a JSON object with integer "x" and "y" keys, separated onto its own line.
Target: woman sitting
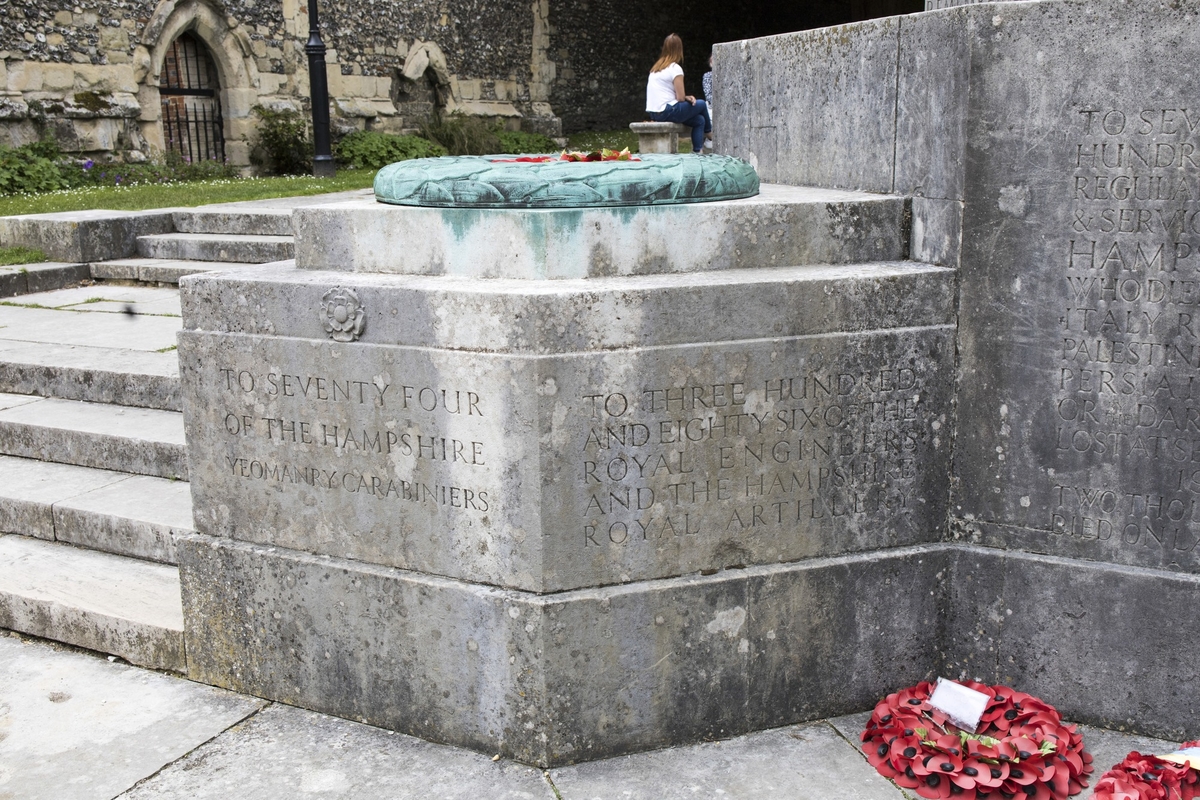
{"x": 665, "y": 98}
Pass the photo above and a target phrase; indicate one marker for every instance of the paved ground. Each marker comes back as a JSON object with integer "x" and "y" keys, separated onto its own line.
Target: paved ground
{"x": 75, "y": 725}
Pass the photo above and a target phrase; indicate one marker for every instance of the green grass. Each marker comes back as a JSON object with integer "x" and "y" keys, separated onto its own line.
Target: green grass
{"x": 137, "y": 198}
{"x": 590, "y": 141}
{"x": 20, "y": 255}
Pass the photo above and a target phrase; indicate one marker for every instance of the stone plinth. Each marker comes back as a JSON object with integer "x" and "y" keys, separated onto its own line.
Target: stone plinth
{"x": 782, "y": 226}
{"x": 562, "y": 519}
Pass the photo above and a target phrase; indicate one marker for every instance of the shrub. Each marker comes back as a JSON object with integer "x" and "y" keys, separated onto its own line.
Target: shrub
{"x": 521, "y": 142}
{"x": 170, "y": 168}
{"x": 462, "y": 135}
{"x": 31, "y": 168}
{"x": 372, "y": 149}
{"x": 282, "y": 145}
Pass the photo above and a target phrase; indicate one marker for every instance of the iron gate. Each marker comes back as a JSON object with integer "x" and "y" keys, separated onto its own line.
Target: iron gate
{"x": 191, "y": 107}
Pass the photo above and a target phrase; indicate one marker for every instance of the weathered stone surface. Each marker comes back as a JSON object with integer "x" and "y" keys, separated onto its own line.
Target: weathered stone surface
{"x": 139, "y": 440}
{"x": 656, "y": 178}
{"x": 573, "y": 468}
{"x": 94, "y": 374}
{"x": 83, "y": 235}
{"x": 801, "y": 761}
{"x": 29, "y": 490}
{"x": 569, "y": 316}
{"x": 95, "y": 600}
{"x": 1080, "y": 355}
{"x": 139, "y": 516}
{"x": 41, "y": 277}
{"x": 1085, "y": 636}
{"x": 815, "y": 108}
{"x": 242, "y": 248}
{"x": 234, "y": 219}
{"x": 289, "y": 752}
{"x": 47, "y": 326}
{"x": 551, "y": 679}
{"x": 78, "y": 727}
{"x": 782, "y": 226}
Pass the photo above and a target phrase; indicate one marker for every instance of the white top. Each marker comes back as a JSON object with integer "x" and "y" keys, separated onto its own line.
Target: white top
{"x": 660, "y": 89}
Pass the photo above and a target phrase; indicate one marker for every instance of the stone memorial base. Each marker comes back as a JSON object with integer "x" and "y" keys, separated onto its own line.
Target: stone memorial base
{"x": 565, "y": 519}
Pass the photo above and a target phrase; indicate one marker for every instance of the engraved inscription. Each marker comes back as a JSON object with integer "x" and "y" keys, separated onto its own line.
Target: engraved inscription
{"x": 743, "y": 458}
{"x": 390, "y": 431}
{"x": 1125, "y": 390}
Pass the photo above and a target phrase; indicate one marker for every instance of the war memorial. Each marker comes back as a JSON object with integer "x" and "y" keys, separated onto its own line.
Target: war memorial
{"x": 564, "y": 461}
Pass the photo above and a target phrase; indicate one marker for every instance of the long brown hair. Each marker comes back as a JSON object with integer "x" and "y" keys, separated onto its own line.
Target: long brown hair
{"x": 672, "y": 53}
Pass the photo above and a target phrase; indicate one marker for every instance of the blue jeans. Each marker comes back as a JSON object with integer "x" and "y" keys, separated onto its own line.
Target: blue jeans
{"x": 685, "y": 113}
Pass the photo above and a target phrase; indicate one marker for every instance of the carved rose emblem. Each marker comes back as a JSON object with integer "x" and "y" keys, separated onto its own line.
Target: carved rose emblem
{"x": 342, "y": 315}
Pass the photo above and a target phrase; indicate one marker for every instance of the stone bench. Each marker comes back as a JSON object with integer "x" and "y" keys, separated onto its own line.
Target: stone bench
{"x": 659, "y": 137}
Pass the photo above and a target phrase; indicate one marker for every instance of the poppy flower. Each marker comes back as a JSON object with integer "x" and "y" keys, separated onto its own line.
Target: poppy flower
{"x": 1021, "y": 749}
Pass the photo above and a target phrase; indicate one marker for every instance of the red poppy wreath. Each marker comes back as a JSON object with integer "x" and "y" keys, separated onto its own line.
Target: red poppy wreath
{"x": 1143, "y": 777}
{"x": 1021, "y": 749}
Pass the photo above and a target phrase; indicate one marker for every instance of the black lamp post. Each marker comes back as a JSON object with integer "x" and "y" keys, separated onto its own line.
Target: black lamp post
{"x": 318, "y": 85}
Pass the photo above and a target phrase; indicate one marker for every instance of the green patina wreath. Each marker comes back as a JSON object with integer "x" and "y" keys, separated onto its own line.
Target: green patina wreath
{"x": 499, "y": 182}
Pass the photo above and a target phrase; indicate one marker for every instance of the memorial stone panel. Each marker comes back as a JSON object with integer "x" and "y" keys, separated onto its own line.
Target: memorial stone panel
{"x": 1082, "y": 238}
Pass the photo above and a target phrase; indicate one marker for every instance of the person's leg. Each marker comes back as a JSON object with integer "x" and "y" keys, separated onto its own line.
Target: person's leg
{"x": 684, "y": 113}
{"x": 702, "y": 105}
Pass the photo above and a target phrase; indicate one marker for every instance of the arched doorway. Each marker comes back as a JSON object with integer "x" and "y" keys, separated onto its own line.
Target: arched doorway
{"x": 189, "y": 89}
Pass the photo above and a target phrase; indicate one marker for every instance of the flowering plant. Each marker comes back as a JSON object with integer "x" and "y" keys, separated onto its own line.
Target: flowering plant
{"x": 1145, "y": 777}
{"x": 599, "y": 155}
{"x": 1022, "y": 748}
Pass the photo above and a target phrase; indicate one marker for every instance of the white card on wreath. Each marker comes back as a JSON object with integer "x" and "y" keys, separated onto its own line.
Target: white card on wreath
{"x": 1189, "y": 757}
{"x": 961, "y": 704}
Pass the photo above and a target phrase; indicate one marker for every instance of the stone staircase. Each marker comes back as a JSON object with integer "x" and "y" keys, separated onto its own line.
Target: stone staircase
{"x": 206, "y": 238}
{"x": 93, "y": 468}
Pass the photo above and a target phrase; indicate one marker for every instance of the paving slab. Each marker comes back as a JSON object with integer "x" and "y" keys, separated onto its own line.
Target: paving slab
{"x": 286, "y": 752}
{"x": 111, "y": 298}
{"x": 51, "y": 326}
{"x": 103, "y": 602}
{"x": 800, "y": 762}
{"x": 14, "y": 400}
{"x": 96, "y": 374}
{"x": 29, "y": 489}
{"x": 144, "y": 441}
{"x": 139, "y": 517}
{"x": 74, "y": 726}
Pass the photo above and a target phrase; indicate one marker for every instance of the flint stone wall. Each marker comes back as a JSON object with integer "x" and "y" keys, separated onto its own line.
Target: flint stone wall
{"x": 1054, "y": 160}
{"x": 88, "y": 72}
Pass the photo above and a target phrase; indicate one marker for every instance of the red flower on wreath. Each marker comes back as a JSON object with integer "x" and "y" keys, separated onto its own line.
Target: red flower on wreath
{"x": 1022, "y": 749}
{"x": 575, "y": 155}
{"x": 1147, "y": 777}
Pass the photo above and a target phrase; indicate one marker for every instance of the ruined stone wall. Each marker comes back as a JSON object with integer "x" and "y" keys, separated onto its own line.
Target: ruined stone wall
{"x": 88, "y": 72}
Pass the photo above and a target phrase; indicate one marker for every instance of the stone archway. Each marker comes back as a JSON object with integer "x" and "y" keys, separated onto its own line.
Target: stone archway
{"x": 208, "y": 23}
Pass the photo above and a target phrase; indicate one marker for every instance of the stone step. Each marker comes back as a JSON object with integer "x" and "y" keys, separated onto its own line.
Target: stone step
{"x": 227, "y": 220}
{"x": 129, "y": 515}
{"x": 241, "y": 248}
{"x": 103, "y": 602}
{"x": 93, "y": 374}
{"x": 153, "y": 270}
{"x": 142, "y": 441}
{"x": 28, "y": 278}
